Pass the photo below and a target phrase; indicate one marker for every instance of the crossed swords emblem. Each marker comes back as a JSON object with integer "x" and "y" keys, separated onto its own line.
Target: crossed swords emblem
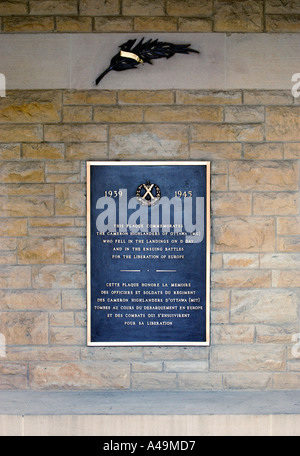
{"x": 145, "y": 196}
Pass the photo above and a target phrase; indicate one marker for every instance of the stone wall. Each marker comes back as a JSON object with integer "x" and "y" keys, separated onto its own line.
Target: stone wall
{"x": 252, "y": 139}
{"x": 46, "y": 16}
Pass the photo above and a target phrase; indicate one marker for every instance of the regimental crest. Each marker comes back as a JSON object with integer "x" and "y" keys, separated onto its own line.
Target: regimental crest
{"x": 130, "y": 56}
{"x": 148, "y": 194}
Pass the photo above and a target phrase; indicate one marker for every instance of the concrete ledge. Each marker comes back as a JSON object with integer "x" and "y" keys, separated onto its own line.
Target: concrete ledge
{"x": 130, "y": 413}
{"x": 227, "y": 61}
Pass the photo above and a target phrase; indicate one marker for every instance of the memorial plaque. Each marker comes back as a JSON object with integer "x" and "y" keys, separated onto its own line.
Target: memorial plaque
{"x": 148, "y": 253}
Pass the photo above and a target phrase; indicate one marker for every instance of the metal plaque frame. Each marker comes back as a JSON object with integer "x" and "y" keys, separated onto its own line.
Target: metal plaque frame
{"x": 162, "y": 342}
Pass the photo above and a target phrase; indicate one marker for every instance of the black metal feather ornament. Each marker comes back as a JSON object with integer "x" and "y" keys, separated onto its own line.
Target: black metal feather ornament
{"x": 131, "y": 56}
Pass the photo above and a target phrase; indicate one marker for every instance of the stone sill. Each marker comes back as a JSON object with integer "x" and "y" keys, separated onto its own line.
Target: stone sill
{"x": 150, "y": 413}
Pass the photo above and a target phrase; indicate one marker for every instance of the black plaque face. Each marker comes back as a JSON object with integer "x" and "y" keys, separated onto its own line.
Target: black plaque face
{"x": 148, "y": 251}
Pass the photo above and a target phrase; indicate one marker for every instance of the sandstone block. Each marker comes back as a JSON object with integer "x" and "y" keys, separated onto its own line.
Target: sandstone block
{"x": 155, "y": 24}
{"x": 288, "y": 244}
{"x": 13, "y": 369}
{"x": 90, "y": 97}
{"x": 151, "y": 366}
{"x": 220, "y": 299}
{"x": 21, "y": 172}
{"x": 67, "y": 335}
{"x": 13, "y": 227}
{"x": 186, "y": 366}
{"x": 286, "y": 279}
{"x": 79, "y": 375}
{"x": 233, "y": 334}
{"x": 210, "y": 97}
{"x": 292, "y": 151}
{"x": 24, "y": 328}
{"x": 244, "y": 234}
{"x": 9, "y": 151}
{"x": 143, "y": 8}
{"x": 258, "y": 381}
{"x": 8, "y": 257}
{"x": 215, "y": 151}
{"x": 146, "y": 97}
{"x": 276, "y": 334}
{"x": 288, "y": 226}
{"x": 96, "y": 8}
{"x": 10, "y": 8}
{"x": 50, "y": 222}
{"x": 231, "y": 204}
{"x": 31, "y": 106}
{"x": 216, "y": 261}
{"x": 70, "y": 199}
{"x": 40, "y": 251}
{"x": 55, "y": 7}
{"x": 75, "y": 258}
{"x": 12, "y": 382}
{"x": 73, "y": 299}
{"x": 282, "y": 6}
{"x": 80, "y": 319}
{"x": 29, "y": 300}
{"x": 241, "y": 279}
{"x": 42, "y": 353}
{"x": 73, "y": 24}
{"x": 257, "y": 357}
{"x": 272, "y": 306}
{"x": 191, "y": 24}
{"x": 28, "y": 24}
{"x": 283, "y": 123}
{"x": 86, "y": 151}
{"x": 75, "y": 245}
{"x": 267, "y": 97}
{"x": 75, "y": 133}
{"x": 241, "y": 261}
{"x": 174, "y": 353}
{"x": 112, "y": 354}
{"x": 280, "y": 203}
{"x": 142, "y": 141}
{"x": 58, "y": 276}
{"x": 244, "y": 114}
{"x": 62, "y": 167}
{"x": 43, "y": 151}
{"x": 77, "y": 114}
{"x": 59, "y": 231}
{"x": 263, "y": 176}
{"x": 283, "y": 23}
{"x": 118, "y": 114}
{"x": 286, "y": 380}
{"x": 26, "y": 189}
{"x": 8, "y": 243}
{"x": 15, "y": 277}
{"x": 183, "y": 114}
{"x": 153, "y": 381}
{"x": 200, "y": 381}
{"x": 191, "y": 8}
{"x": 113, "y": 24}
{"x": 63, "y": 178}
{"x": 26, "y": 206}
{"x": 227, "y": 132}
{"x": 267, "y": 151}
{"x": 219, "y": 183}
{"x": 21, "y": 133}
{"x": 239, "y": 16}
{"x": 279, "y": 260}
